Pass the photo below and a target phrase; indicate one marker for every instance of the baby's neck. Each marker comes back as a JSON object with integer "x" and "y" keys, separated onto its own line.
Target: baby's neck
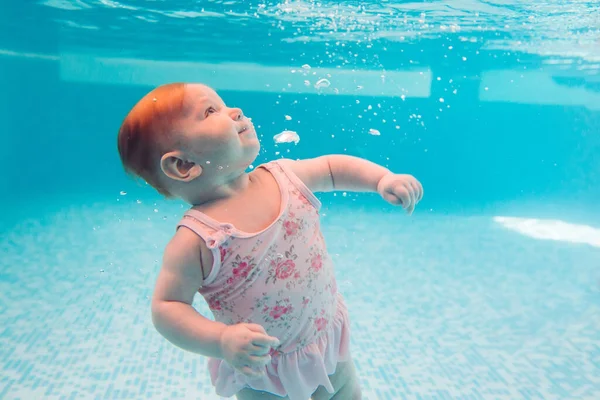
{"x": 208, "y": 192}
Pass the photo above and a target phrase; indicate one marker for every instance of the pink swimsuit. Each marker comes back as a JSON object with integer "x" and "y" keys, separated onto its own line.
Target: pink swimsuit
{"x": 281, "y": 278}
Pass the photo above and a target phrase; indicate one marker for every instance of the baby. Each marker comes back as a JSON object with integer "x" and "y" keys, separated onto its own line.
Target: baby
{"x": 251, "y": 245}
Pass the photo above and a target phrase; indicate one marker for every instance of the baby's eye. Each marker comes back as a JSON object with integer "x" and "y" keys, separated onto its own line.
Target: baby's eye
{"x": 210, "y": 110}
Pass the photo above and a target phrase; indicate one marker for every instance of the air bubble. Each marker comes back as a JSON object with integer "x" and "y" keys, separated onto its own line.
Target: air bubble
{"x": 287, "y": 137}
{"x": 322, "y": 83}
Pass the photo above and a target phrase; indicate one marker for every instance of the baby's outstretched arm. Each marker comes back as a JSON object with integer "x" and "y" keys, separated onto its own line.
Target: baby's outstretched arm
{"x": 343, "y": 172}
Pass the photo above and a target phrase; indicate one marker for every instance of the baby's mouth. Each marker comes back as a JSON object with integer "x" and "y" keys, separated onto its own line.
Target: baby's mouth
{"x": 246, "y": 127}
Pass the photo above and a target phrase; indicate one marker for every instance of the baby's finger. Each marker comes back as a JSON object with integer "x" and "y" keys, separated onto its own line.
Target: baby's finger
{"x": 420, "y": 186}
{"x": 404, "y": 193}
{"x": 392, "y": 198}
{"x": 252, "y": 373}
{"x": 412, "y": 202}
{"x": 416, "y": 190}
{"x": 254, "y": 350}
{"x": 413, "y": 195}
{"x": 257, "y": 362}
{"x": 265, "y": 340}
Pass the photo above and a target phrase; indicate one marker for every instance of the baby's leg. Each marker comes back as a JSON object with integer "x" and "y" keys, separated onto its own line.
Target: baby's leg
{"x": 345, "y": 384}
{"x": 251, "y": 394}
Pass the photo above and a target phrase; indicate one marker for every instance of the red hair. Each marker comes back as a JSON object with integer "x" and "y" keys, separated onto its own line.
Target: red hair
{"x": 146, "y": 133}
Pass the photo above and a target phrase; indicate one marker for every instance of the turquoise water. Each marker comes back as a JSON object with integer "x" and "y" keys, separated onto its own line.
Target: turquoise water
{"x": 491, "y": 290}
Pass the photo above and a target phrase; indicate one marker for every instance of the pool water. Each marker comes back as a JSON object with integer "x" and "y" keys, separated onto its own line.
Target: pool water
{"x": 491, "y": 290}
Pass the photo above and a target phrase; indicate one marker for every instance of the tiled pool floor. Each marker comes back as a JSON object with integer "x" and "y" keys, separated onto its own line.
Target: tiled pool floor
{"x": 442, "y": 307}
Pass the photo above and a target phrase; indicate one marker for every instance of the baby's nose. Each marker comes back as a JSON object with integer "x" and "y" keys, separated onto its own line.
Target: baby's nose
{"x": 236, "y": 114}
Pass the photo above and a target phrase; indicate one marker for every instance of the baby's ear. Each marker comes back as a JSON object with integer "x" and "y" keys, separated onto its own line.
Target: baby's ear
{"x": 174, "y": 165}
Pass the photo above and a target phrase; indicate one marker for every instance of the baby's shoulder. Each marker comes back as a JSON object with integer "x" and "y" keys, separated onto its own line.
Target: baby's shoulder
{"x": 288, "y": 165}
{"x": 284, "y": 162}
{"x": 186, "y": 246}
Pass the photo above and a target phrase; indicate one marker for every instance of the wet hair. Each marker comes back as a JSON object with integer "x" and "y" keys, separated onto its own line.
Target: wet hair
{"x": 147, "y": 133}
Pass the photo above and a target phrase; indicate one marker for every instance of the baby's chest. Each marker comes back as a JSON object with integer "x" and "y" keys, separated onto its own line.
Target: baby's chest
{"x": 257, "y": 209}
{"x": 256, "y": 215}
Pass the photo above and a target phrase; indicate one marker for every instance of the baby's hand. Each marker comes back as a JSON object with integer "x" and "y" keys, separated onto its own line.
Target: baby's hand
{"x": 246, "y": 348}
{"x": 402, "y": 190}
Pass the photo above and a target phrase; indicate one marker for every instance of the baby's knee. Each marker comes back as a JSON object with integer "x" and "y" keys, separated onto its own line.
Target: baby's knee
{"x": 345, "y": 382}
{"x": 350, "y": 391}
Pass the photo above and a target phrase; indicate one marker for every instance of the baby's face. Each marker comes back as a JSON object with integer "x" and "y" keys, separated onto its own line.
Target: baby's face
{"x": 220, "y": 137}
